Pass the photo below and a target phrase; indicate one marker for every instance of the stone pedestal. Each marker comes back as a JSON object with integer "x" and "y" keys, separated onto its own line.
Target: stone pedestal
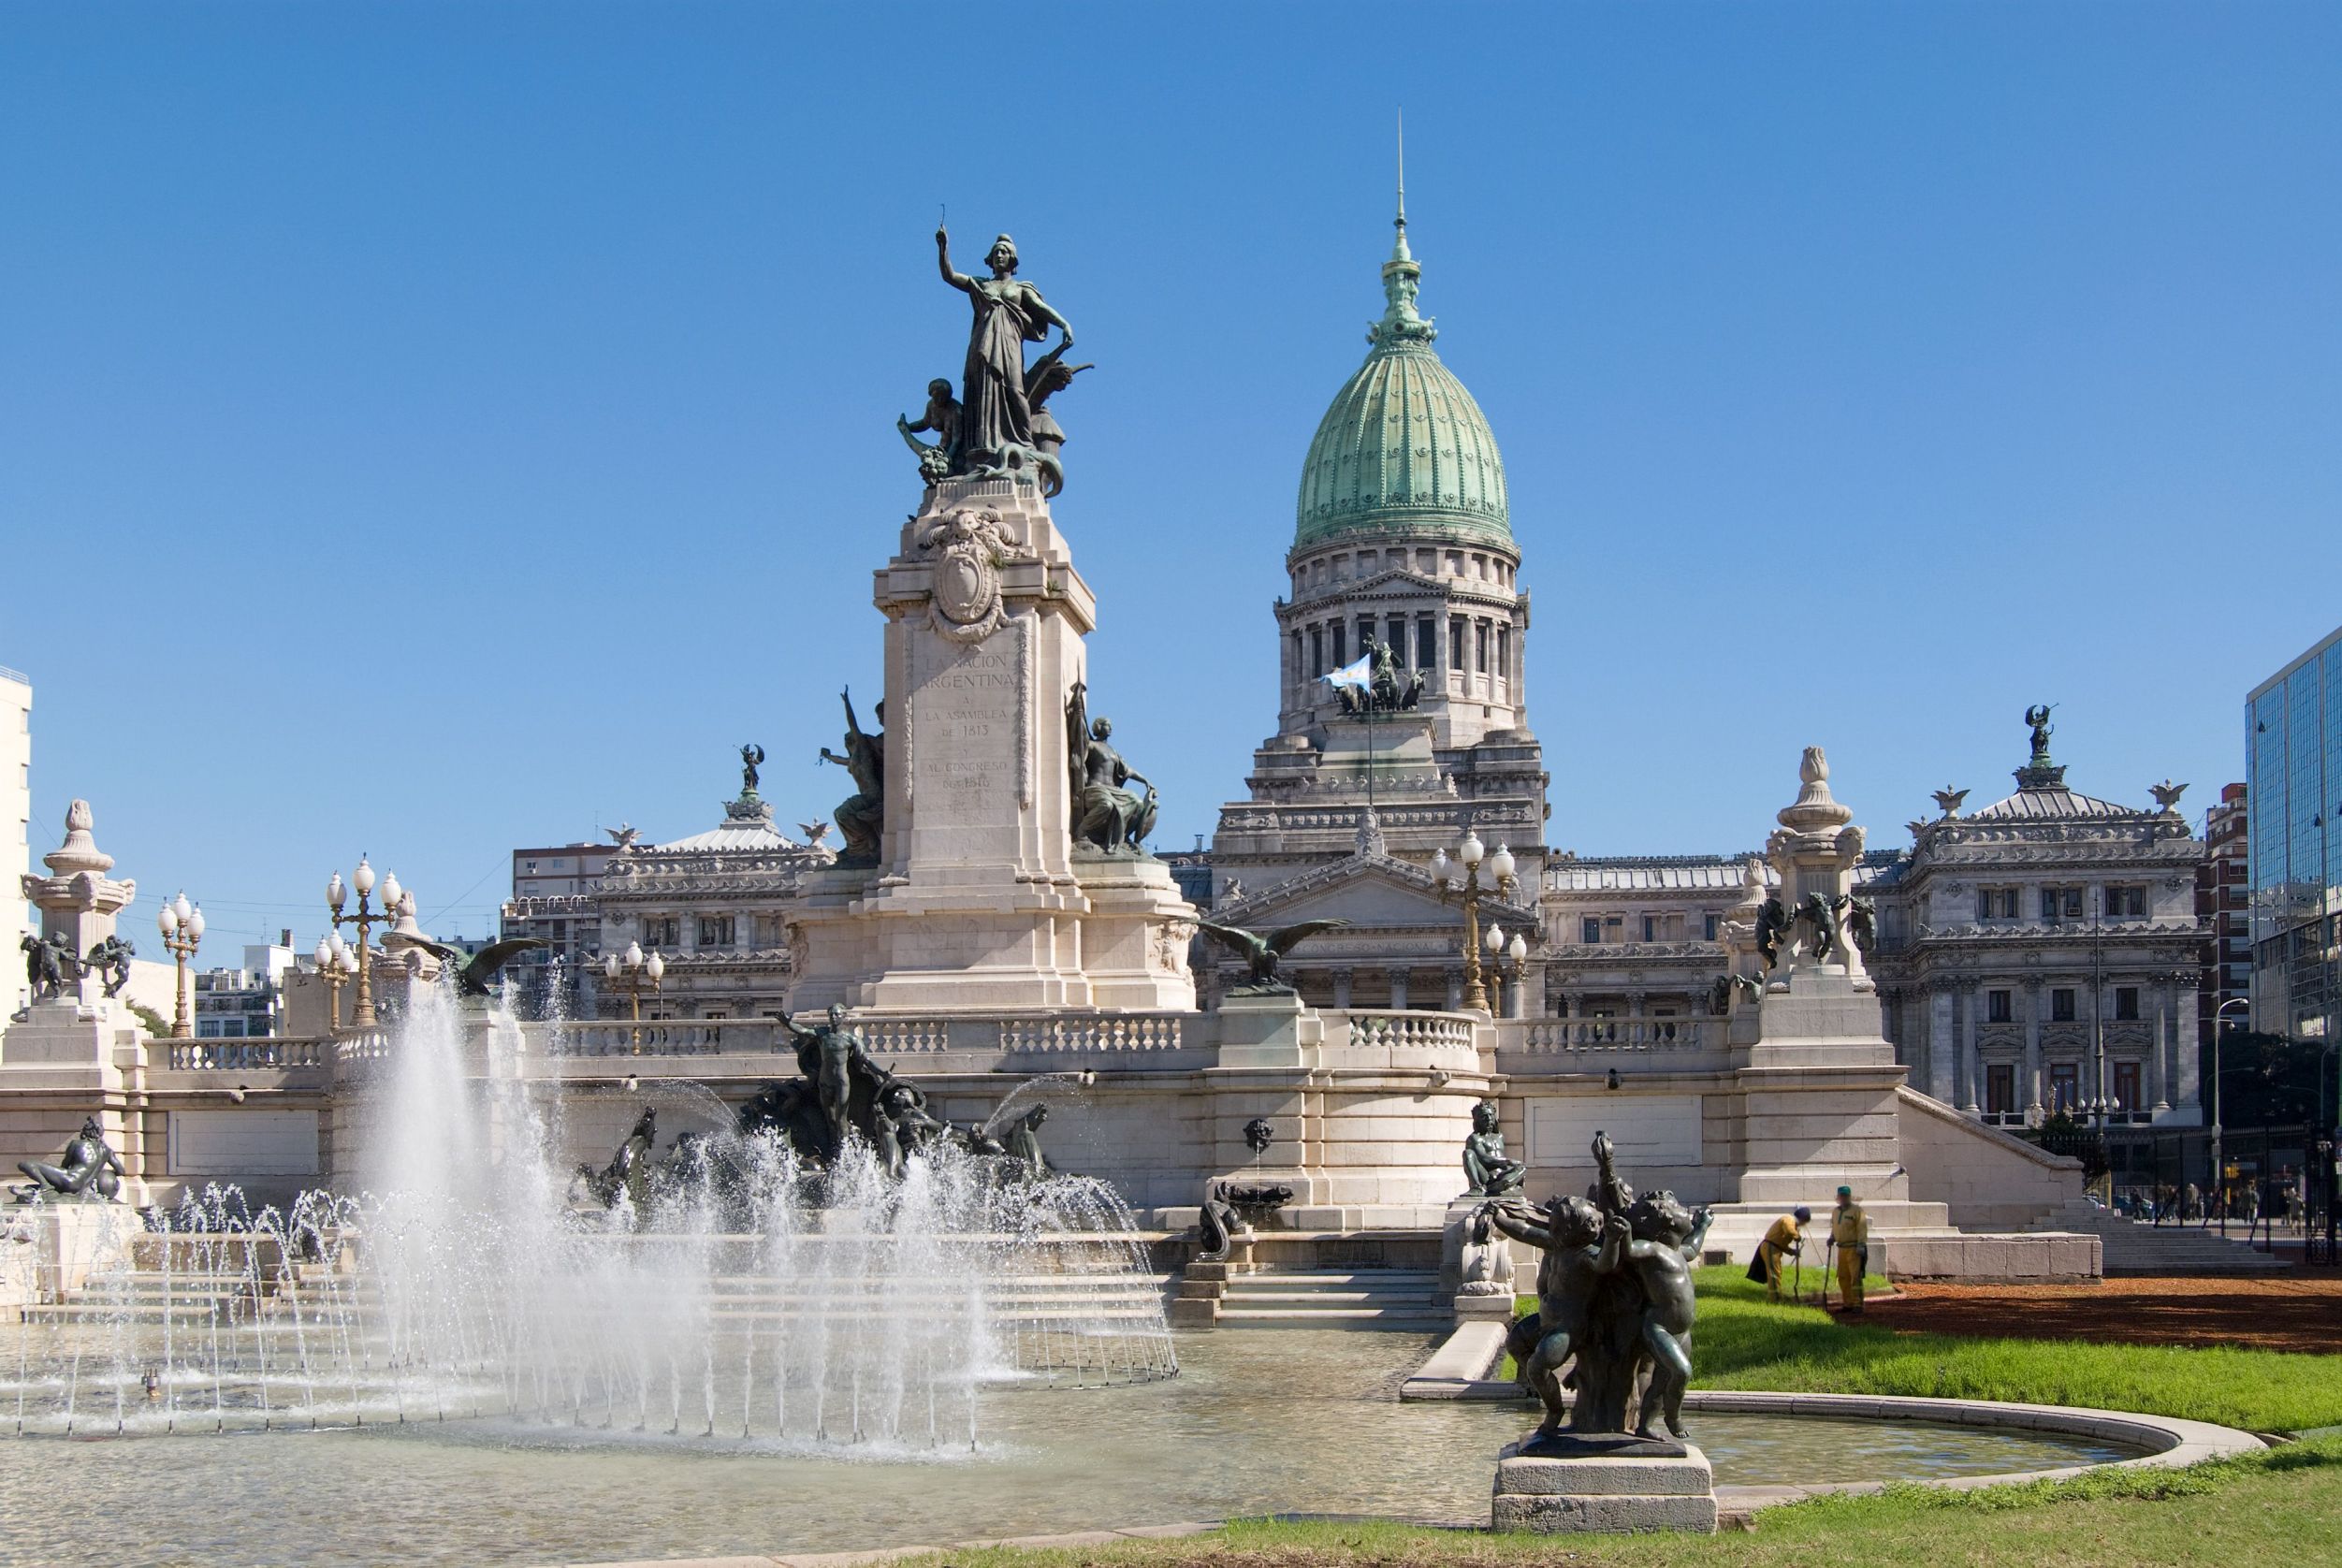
{"x": 1476, "y": 1276}
{"x": 1567, "y": 1496}
{"x": 979, "y": 902}
{"x": 1270, "y": 1031}
{"x": 48, "y": 1251}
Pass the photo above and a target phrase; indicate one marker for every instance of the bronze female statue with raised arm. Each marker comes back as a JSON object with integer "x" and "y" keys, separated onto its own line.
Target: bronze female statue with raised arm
{"x": 995, "y": 428}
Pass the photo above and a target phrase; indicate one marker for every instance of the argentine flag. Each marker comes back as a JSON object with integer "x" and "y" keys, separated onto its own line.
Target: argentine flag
{"x": 1360, "y": 675}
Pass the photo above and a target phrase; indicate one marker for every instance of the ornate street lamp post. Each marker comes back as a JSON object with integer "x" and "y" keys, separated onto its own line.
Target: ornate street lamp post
{"x": 334, "y": 966}
{"x": 362, "y": 1015}
{"x": 1444, "y": 871}
{"x": 636, "y": 971}
{"x": 182, "y": 925}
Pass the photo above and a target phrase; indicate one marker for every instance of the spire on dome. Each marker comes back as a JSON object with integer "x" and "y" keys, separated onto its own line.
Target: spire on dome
{"x": 1401, "y": 276}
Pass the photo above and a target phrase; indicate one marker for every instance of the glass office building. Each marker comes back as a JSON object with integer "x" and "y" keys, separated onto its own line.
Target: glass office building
{"x": 2294, "y": 752}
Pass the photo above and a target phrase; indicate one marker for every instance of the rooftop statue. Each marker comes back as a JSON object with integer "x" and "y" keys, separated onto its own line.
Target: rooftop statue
{"x": 624, "y": 836}
{"x": 92, "y": 1170}
{"x": 475, "y": 972}
{"x": 2038, "y": 717}
{"x": 1263, "y": 953}
{"x": 1107, "y": 815}
{"x": 1614, "y": 1297}
{"x": 860, "y": 816}
{"x": 994, "y": 436}
{"x": 751, "y": 757}
{"x": 1948, "y": 800}
{"x": 2167, "y": 794}
{"x": 1485, "y": 1166}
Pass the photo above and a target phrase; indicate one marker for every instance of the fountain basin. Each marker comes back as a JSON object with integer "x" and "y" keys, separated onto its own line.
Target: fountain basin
{"x": 1254, "y": 1424}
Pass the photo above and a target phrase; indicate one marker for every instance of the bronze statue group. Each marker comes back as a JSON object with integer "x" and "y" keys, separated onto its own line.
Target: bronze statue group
{"x": 1613, "y": 1324}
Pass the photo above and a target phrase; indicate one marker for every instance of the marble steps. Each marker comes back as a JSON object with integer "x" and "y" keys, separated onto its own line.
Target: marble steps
{"x": 1390, "y": 1298}
{"x": 2132, "y": 1248}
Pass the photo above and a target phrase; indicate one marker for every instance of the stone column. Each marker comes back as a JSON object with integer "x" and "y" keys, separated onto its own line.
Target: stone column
{"x": 1455, "y": 991}
{"x": 2158, "y": 1050}
{"x": 1342, "y": 988}
{"x": 1970, "y": 1067}
{"x": 1634, "y": 1003}
{"x": 2189, "y": 1087}
{"x": 1399, "y": 990}
{"x": 1940, "y": 1050}
{"x": 2033, "y": 1049}
{"x": 1512, "y": 995}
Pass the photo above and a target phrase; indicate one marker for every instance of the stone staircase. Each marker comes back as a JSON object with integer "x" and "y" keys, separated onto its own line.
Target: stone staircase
{"x": 1395, "y": 1298}
{"x": 2135, "y": 1248}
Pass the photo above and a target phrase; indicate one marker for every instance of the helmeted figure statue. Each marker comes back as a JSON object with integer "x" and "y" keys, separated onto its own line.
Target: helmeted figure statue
{"x": 1107, "y": 815}
{"x": 860, "y": 816}
{"x": 994, "y": 434}
{"x": 90, "y": 1170}
{"x": 751, "y": 757}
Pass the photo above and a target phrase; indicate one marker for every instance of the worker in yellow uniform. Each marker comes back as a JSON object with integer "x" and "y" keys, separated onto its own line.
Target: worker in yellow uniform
{"x": 1781, "y": 1243}
{"x": 1850, "y": 1233}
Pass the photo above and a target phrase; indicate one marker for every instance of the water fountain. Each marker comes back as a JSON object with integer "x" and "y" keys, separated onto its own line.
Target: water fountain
{"x": 755, "y": 1295}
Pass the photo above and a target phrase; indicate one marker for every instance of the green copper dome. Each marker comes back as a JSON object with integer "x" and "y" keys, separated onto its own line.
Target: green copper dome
{"x": 1404, "y": 449}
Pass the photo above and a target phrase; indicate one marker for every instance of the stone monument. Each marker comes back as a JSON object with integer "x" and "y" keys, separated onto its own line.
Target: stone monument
{"x": 1821, "y": 1077}
{"x": 968, "y": 887}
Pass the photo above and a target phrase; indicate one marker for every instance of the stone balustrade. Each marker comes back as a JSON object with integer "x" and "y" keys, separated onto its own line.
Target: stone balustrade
{"x": 1104, "y": 1032}
{"x": 262, "y": 1055}
{"x": 668, "y": 1036}
{"x": 1429, "y": 1030}
{"x": 1611, "y": 1034}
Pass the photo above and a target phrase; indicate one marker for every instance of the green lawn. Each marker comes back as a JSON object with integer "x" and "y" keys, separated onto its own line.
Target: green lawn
{"x": 1743, "y": 1342}
{"x": 2282, "y": 1507}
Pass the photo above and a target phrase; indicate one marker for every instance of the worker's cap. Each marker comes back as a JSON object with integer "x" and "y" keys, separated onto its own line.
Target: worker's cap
{"x": 1802, "y": 1214}
{"x": 1845, "y": 1192}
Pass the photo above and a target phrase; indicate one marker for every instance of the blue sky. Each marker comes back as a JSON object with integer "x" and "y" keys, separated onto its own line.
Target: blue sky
{"x": 432, "y": 430}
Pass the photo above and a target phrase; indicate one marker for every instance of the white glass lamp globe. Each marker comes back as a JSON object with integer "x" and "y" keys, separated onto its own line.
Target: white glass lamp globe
{"x": 1501, "y": 864}
{"x": 194, "y": 925}
{"x": 654, "y": 966}
{"x": 363, "y": 878}
{"x": 180, "y": 907}
{"x": 335, "y": 893}
{"x": 391, "y": 892}
{"x": 1443, "y": 869}
{"x": 323, "y": 956}
{"x": 610, "y": 965}
{"x": 1471, "y": 850}
{"x": 633, "y": 955}
{"x": 1519, "y": 949}
{"x": 1494, "y": 941}
{"x": 167, "y": 919}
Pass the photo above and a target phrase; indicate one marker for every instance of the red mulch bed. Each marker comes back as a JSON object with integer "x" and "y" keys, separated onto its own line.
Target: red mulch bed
{"x": 2300, "y": 1311}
